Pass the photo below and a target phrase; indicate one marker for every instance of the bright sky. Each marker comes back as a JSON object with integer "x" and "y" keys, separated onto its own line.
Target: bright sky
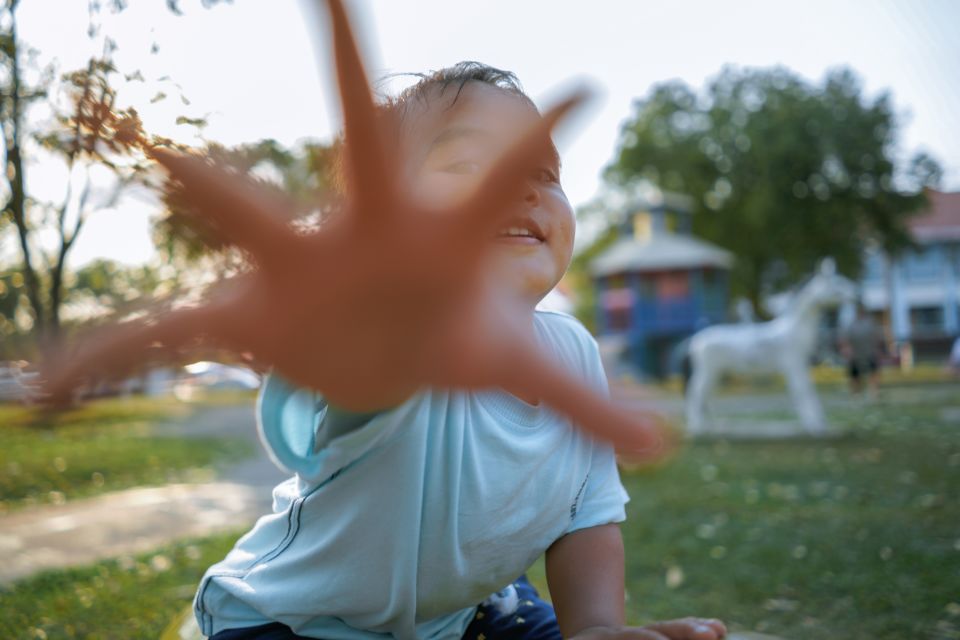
{"x": 251, "y": 67}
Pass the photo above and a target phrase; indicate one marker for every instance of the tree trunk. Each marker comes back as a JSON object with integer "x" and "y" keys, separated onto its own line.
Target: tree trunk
{"x": 16, "y": 205}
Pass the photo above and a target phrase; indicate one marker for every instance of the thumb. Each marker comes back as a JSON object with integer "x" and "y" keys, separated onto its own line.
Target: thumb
{"x": 691, "y": 629}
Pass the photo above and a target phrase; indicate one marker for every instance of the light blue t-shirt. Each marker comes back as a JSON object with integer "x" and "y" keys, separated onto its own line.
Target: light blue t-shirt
{"x": 403, "y": 524}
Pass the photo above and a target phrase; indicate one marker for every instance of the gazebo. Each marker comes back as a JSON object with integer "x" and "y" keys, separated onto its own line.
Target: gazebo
{"x": 657, "y": 284}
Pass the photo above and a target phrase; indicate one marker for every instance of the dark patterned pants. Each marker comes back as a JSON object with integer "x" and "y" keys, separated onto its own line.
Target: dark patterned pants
{"x": 515, "y": 613}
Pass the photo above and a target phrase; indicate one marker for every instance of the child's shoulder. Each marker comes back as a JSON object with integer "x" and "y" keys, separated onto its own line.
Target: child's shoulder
{"x": 563, "y": 324}
{"x": 569, "y": 338}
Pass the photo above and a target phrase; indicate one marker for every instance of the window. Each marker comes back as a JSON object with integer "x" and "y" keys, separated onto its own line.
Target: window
{"x": 830, "y": 319}
{"x": 926, "y": 317}
{"x": 873, "y": 267}
{"x": 673, "y": 284}
{"x": 617, "y": 305}
{"x": 925, "y": 264}
{"x": 619, "y": 319}
{"x": 645, "y": 287}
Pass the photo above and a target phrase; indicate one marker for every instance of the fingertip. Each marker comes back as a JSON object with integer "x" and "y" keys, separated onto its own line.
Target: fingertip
{"x": 650, "y": 439}
{"x": 709, "y": 629}
{"x": 574, "y": 100}
{"x": 160, "y": 154}
{"x": 703, "y": 632}
{"x": 718, "y": 626}
{"x": 173, "y": 161}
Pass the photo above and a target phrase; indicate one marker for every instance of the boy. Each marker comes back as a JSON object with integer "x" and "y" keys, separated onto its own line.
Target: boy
{"x": 412, "y": 502}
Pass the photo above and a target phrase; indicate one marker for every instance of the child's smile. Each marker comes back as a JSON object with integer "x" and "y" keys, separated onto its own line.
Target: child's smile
{"x": 523, "y": 231}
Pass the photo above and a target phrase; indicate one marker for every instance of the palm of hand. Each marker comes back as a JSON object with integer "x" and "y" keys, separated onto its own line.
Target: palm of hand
{"x": 379, "y": 302}
{"x": 387, "y": 309}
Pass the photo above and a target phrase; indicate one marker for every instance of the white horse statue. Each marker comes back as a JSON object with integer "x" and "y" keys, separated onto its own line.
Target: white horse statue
{"x": 784, "y": 345}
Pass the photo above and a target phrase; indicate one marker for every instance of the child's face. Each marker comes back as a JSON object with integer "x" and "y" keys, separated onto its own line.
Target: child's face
{"x": 452, "y": 148}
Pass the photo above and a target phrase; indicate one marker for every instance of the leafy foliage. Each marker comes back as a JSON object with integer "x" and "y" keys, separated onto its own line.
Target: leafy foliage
{"x": 783, "y": 172}
{"x": 88, "y": 132}
{"x": 305, "y": 178}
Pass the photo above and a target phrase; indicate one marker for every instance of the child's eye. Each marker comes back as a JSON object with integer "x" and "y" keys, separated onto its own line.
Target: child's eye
{"x": 463, "y": 167}
{"x": 547, "y": 175}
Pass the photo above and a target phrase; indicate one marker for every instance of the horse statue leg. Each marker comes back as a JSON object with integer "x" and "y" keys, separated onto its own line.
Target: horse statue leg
{"x": 805, "y": 399}
{"x": 698, "y": 390}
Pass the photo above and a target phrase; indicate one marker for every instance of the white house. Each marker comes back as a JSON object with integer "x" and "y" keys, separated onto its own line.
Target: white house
{"x": 916, "y": 295}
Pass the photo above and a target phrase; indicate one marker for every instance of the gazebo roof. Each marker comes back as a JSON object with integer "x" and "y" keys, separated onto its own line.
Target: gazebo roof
{"x": 662, "y": 251}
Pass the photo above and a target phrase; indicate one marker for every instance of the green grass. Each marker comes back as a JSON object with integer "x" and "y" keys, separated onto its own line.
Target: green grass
{"x": 854, "y": 537}
{"x": 824, "y": 376}
{"x": 101, "y": 446}
{"x": 132, "y": 597}
{"x": 851, "y": 537}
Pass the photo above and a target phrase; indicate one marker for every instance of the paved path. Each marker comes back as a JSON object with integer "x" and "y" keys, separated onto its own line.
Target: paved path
{"x": 138, "y": 520}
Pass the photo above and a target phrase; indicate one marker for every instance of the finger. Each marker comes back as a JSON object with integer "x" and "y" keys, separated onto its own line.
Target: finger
{"x": 717, "y": 625}
{"x": 490, "y": 205}
{"x": 688, "y": 629}
{"x": 366, "y": 160}
{"x": 639, "y": 633}
{"x": 641, "y": 434}
{"x": 113, "y": 351}
{"x": 241, "y": 213}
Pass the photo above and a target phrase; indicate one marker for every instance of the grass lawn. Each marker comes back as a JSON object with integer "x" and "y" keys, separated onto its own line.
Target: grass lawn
{"x": 129, "y": 598}
{"x": 102, "y": 446}
{"x": 853, "y": 537}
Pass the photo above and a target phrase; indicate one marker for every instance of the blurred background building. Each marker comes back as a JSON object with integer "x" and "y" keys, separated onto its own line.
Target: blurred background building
{"x": 657, "y": 284}
{"x": 915, "y": 295}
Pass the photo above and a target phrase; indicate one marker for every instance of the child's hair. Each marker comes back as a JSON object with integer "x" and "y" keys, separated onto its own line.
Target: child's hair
{"x": 432, "y": 85}
{"x": 436, "y": 83}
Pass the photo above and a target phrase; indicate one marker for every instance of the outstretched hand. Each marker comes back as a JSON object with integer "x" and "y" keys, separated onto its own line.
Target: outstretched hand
{"x": 387, "y": 298}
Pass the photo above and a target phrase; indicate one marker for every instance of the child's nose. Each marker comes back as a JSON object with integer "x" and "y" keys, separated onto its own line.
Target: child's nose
{"x": 531, "y": 194}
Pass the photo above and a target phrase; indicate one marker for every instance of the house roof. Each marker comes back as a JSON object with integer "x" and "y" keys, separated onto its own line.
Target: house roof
{"x": 663, "y": 251}
{"x": 941, "y": 220}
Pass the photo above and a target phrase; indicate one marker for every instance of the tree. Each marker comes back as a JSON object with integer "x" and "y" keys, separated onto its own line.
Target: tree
{"x": 15, "y": 98}
{"x": 89, "y": 133}
{"x": 106, "y": 287}
{"x": 94, "y": 133}
{"x": 783, "y": 172}
{"x": 305, "y": 177}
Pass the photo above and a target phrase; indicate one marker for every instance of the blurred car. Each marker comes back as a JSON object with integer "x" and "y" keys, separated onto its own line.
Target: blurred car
{"x": 213, "y": 376}
{"x": 16, "y": 382}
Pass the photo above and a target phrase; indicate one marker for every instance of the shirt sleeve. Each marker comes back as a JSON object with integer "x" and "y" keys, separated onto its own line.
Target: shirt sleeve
{"x": 302, "y": 434}
{"x": 602, "y": 498}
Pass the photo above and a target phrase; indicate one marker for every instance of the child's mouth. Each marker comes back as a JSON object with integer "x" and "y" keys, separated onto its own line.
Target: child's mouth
{"x": 526, "y": 233}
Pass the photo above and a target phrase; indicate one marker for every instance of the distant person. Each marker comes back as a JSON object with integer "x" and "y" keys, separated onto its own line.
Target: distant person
{"x": 862, "y": 346}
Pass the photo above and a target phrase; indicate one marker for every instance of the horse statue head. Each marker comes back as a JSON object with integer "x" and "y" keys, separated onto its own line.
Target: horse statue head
{"x": 827, "y": 288}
